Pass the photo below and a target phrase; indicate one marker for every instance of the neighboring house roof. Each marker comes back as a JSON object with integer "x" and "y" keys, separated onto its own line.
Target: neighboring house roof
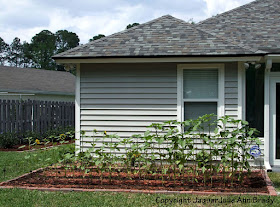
{"x": 164, "y": 36}
{"x": 13, "y": 79}
{"x": 256, "y": 24}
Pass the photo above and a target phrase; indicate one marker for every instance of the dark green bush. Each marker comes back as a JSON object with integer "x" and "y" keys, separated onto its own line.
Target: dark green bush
{"x": 8, "y": 140}
{"x": 69, "y": 133}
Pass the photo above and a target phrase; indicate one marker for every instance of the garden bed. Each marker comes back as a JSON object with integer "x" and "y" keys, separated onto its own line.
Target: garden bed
{"x": 170, "y": 161}
{"x": 59, "y": 178}
{"x": 20, "y": 147}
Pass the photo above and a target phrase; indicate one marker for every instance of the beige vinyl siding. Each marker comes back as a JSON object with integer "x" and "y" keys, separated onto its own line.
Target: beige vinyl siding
{"x": 126, "y": 98}
{"x": 231, "y": 89}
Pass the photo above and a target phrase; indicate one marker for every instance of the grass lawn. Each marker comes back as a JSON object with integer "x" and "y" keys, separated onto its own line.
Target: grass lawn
{"x": 275, "y": 178}
{"x": 15, "y": 164}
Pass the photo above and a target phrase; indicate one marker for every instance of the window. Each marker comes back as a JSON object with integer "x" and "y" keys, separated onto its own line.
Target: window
{"x": 200, "y": 90}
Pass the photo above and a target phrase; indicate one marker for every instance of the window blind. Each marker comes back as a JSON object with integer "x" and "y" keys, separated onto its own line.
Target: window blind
{"x": 200, "y": 84}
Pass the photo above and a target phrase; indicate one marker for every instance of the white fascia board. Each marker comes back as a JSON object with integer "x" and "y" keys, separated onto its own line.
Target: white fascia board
{"x": 78, "y": 111}
{"x": 241, "y": 91}
{"x": 267, "y": 123}
{"x": 275, "y": 58}
{"x": 159, "y": 60}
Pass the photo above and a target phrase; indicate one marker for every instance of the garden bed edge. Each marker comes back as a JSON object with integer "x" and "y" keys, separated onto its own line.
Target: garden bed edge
{"x": 269, "y": 185}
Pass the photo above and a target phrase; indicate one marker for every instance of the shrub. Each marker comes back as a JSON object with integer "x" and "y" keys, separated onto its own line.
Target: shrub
{"x": 8, "y": 140}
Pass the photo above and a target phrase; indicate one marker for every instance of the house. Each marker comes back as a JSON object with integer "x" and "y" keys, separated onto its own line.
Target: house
{"x": 34, "y": 84}
{"x": 169, "y": 69}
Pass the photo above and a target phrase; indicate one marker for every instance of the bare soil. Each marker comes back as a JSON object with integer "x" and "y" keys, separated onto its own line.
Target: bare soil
{"x": 75, "y": 178}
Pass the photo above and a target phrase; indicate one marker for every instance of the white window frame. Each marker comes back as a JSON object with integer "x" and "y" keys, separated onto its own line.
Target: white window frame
{"x": 221, "y": 88}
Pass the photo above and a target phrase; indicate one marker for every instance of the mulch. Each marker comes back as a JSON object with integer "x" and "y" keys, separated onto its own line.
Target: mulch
{"x": 60, "y": 178}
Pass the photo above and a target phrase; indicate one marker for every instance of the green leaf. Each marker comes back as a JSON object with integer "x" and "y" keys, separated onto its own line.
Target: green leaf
{"x": 216, "y": 130}
{"x": 27, "y": 157}
{"x": 203, "y": 169}
{"x": 181, "y": 167}
{"x": 147, "y": 133}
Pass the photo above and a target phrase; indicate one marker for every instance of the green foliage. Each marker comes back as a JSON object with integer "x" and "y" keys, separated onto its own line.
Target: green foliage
{"x": 4, "y": 47}
{"x": 8, "y": 140}
{"x": 63, "y": 151}
{"x": 42, "y": 48}
{"x": 132, "y": 25}
{"x": 27, "y": 55}
{"x": 39, "y": 52}
{"x": 205, "y": 146}
{"x": 15, "y": 53}
{"x": 202, "y": 147}
{"x": 66, "y": 40}
{"x": 69, "y": 133}
{"x": 96, "y": 37}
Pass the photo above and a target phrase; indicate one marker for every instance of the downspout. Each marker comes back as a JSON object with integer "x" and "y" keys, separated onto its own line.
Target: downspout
{"x": 266, "y": 115}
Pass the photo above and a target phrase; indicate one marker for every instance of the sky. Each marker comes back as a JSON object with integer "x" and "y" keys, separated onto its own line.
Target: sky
{"x": 87, "y": 18}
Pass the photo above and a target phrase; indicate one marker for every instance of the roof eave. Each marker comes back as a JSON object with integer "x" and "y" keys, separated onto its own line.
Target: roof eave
{"x": 274, "y": 57}
{"x": 149, "y": 59}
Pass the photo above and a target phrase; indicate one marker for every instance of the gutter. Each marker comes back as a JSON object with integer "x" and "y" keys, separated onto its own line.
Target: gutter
{"x": 56, "y": 57}
{"x": 160, "y": 59}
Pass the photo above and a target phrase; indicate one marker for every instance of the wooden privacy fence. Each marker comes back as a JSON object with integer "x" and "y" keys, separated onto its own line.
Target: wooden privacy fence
{"x": 36, "y": 116}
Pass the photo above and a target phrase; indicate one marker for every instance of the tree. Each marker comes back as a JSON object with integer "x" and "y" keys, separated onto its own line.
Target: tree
{"x": 96, "y": 37}
{"x": 15, "y": 53}
{"x": 42, "y": 48}
{"x": 27, "y": 55}
{"x": 132, "y": 25}
{"x": 66, "y": 40}
{"x": 4, "y": 47}
{"x": 191, "y": 21}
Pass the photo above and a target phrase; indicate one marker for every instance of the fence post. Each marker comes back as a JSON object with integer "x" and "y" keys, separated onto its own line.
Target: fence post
{"x": 20, "y": 116}
{"x": 1, "y": 117}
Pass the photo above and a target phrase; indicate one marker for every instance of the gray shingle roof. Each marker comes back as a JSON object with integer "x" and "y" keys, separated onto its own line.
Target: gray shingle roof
{"x": 39, "y": 80}
{"x": 256, "y": 24}
{"x": 164, "y": 36}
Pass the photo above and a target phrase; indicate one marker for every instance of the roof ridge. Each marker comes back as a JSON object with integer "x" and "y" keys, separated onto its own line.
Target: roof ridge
{"x": 112, "y": 35}
{"x": 226, "y": 12}
{"x": 221, "y": 37}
